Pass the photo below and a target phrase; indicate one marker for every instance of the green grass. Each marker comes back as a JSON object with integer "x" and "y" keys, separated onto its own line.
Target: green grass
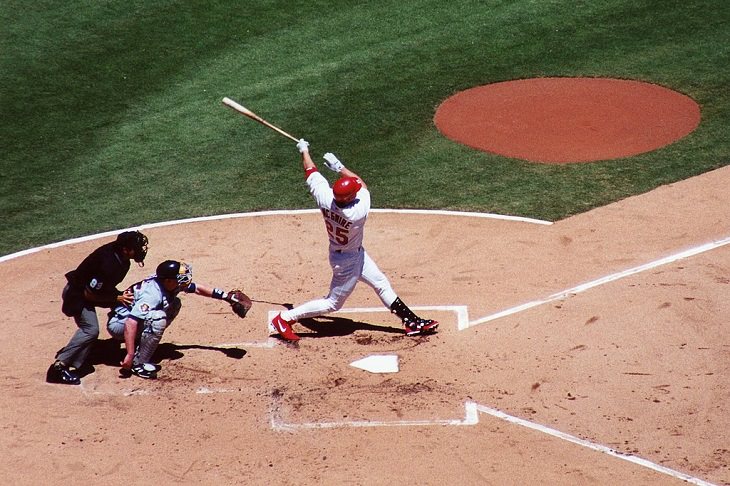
{"x": 111, "y": 113}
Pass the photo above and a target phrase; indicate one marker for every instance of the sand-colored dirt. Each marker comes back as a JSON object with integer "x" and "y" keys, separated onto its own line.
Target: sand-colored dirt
{"x": 620, "y": 381}
{"x": 638, "y": 365}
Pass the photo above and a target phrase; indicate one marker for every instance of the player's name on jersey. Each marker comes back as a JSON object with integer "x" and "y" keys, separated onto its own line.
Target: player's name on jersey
{"x": 337, "y": 218}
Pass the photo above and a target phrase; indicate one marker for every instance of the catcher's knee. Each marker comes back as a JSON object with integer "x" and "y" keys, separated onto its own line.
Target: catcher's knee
{"x": 116, "y": 329}
{"x": 157, "y": 322}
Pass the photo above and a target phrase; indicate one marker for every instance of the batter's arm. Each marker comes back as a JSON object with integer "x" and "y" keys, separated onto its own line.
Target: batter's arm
{"x": 307, "y": 162}
{"x": 348, "y": 173}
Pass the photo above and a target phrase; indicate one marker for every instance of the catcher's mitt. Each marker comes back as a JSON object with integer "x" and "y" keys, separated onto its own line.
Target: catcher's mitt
{"x": 240, "y": 302}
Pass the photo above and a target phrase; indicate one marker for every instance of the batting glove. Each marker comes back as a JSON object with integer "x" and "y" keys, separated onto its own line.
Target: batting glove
{"x": 333, "y": 163}
{"x": 303, "y": 145}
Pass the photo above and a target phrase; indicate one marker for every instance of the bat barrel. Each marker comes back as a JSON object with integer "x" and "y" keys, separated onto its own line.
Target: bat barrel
{"x": 246, "y": 112}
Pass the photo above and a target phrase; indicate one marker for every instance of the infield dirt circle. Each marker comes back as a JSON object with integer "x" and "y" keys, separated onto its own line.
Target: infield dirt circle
{"x": 587, "y": 351}
{"x": 563, "y": 120}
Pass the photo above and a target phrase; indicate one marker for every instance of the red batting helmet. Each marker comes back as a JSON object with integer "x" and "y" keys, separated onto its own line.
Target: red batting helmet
{"x": 345, "y": 189}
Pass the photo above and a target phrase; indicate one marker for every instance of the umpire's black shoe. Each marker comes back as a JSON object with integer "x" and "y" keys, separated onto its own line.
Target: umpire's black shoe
{"x": 59, "y": 373}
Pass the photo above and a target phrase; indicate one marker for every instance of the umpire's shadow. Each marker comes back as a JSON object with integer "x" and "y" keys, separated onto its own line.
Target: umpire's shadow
{"x": 332, "y": 326}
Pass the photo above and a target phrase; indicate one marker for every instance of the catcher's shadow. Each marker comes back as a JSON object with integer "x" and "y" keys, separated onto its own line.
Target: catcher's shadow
{"x": 109, "y": 352}
{"x": 172, "y": 351}
{"x": 332, "y": 326}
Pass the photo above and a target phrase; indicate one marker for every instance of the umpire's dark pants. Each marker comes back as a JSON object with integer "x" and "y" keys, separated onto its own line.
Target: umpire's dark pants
{"x": 75, "y": 353}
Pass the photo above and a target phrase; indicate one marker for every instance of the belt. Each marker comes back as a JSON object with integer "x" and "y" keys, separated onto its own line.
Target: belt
{"x": 349, "y": 251}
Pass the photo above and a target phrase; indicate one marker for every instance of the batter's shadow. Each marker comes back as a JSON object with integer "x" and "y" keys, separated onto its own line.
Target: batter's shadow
{"x": 333, "y": 326}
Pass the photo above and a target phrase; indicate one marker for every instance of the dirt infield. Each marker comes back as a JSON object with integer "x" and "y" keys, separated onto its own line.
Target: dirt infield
{"x": 589, "y": 351}
{"x": 637, "y": 364}
{"x": 564, "y": 120}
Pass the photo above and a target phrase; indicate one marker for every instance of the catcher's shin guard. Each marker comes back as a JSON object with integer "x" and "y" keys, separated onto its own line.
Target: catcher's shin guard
{"x": 154, "y": 328}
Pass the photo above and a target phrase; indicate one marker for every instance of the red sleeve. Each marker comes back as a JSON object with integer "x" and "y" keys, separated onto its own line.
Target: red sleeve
{"x": 309, "y": 172}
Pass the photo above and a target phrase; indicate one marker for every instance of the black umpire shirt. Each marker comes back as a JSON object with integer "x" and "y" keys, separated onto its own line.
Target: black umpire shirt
{"x": 100, "y": 273}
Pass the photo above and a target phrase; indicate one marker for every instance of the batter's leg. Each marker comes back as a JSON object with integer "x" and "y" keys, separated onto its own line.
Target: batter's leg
{"x": 346, "y": 270}
{"x": 413, "y": 324}
{"x": 376, "y": 279}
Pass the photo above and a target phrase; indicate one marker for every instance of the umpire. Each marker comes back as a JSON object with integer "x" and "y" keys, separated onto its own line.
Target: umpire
{"x": 94, "y": 284}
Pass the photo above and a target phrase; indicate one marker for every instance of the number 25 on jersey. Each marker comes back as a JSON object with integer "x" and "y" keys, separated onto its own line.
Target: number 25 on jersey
{"x": 337, "y": 233}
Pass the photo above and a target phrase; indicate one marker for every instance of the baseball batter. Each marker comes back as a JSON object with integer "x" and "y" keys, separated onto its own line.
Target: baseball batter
{"x": 345, "y": 208}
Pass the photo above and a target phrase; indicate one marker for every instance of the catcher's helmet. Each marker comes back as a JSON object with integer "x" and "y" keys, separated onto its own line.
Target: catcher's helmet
{"x": 134, "y": 240}
{"x": 345, "y": 190}
{"x": 180, "y": 271}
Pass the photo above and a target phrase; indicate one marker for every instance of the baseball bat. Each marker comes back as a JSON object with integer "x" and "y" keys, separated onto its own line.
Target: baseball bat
{"x": 287, "y": 305}
{"x": 246, "y": 112}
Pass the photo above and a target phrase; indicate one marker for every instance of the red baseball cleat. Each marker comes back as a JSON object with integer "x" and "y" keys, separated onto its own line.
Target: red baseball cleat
{"x": 283, "y": 328}
{"x": 420, "y": 326}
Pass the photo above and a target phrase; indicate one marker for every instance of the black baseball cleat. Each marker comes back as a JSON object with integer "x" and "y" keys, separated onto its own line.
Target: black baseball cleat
{"x": 148, "y": 371}
{"x": 420, "y": 326}
{"x": 59, "y": 373}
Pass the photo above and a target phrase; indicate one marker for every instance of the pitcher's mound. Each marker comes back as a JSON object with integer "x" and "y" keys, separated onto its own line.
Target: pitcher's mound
{"x": 565, "y": 120}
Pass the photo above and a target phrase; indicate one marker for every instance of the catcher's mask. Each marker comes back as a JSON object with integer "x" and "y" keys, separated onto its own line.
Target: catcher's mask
{"x": 134, "y": 240}
{"x": 345, "y": 190}
{"x": 179, "y": 271}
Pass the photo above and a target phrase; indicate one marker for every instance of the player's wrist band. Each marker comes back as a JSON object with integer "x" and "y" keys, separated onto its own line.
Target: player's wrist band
{"x": 309, "y": 171}
{"x": 219, "y": 294}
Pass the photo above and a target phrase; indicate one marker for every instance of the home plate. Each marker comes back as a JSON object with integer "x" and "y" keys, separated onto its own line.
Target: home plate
{"x": 378, "y": 363}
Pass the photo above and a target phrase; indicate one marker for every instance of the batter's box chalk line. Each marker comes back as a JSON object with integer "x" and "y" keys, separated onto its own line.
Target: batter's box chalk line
{"x": 471, "y": 418}
{"x": 564, "y": 294}
{"x": 460, "y": 311}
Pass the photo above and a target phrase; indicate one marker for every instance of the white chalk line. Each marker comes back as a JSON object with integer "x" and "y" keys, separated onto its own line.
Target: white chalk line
{"x": 592, "y": 445}
{"x": 461, "y": 311}
{"x": 603, "y": 280}
{"x": 471, "y": 408}
{"x": 261, "y": 214}
{"x": 471, "y": 417}
{"x": 272, "y": 342}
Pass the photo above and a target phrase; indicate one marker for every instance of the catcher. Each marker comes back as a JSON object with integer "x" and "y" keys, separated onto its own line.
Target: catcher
{"x": 142, "y": 323}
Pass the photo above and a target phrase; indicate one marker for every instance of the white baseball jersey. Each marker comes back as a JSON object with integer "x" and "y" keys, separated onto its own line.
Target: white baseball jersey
{"x": 345, "y": 225}
{"x": 349, "y": 261}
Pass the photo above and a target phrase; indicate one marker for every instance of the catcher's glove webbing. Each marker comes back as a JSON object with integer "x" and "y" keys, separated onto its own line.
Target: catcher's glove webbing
{"x": 240, "y": 302}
